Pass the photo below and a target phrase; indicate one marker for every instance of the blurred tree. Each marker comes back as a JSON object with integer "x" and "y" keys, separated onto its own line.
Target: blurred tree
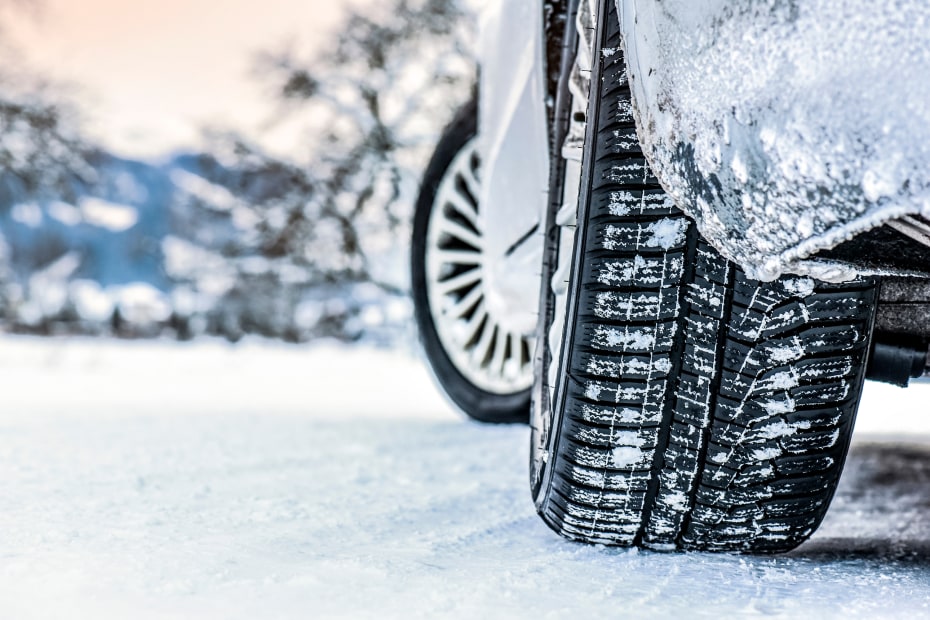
{"x": 368, "y": 110}
{"x": 42, "y": 153}
{"x": 290, "y": 240}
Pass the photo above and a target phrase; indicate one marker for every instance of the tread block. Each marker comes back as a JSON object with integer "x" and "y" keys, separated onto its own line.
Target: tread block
{"x": 644, "y": 238}
{"x": 630, "y": 306}
{"x": 632, "y": 203}
{"x": 644, "y": 414}
{"x": 643, "y": 273}
{"x": 620, "y": 140}
{"x": 620, "y": 367}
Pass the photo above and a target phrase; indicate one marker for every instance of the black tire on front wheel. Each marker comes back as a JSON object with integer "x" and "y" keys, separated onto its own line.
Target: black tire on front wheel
{"x": 694, "y": 408}
{"x": 475, "y": 402}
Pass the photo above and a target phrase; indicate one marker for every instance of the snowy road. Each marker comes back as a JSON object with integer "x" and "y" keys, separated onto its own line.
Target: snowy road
{"x": 264, "y": 481}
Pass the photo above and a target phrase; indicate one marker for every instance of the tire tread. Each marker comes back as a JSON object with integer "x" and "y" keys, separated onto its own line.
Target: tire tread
{"x": 701, "y": 410}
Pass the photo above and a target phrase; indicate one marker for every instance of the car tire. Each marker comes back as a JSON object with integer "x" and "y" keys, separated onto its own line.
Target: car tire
{"x": 692, "y": 408}
{"x": 483, "y": 387}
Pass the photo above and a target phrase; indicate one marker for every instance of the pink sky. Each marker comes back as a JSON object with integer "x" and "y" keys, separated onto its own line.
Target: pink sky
{"x": 151, "y": 72}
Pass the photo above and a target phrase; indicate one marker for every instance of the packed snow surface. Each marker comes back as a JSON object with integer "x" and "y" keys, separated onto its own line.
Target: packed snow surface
{"x": 156, "y": 480}
{"x": 784, "y": 127}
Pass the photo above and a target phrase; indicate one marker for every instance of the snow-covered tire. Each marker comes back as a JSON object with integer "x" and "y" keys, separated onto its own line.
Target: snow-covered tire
{"x": 483, "y": 393}
{"x": 693, "y": 408}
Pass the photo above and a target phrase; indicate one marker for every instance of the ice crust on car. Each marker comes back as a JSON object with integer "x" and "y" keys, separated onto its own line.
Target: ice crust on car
{"x": 784, "y": 128}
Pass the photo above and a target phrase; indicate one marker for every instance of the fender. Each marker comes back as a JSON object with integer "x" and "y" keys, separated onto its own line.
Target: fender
{"x": 784, "y": 127}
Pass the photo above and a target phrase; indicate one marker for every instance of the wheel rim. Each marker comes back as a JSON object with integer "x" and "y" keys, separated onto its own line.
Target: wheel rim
{"x": 482, "y": 348}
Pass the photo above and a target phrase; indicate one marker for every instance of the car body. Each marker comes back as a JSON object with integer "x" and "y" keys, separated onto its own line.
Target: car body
{"x": 784, "y": 128}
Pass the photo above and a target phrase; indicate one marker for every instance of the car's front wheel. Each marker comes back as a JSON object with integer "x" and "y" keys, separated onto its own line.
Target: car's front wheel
{"x": 681, "y": 404}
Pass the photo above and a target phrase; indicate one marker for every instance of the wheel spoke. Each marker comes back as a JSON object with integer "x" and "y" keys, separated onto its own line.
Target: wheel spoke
{"x": 457, "y": 257}
{"x": 500, "y": 352}
{"x": 460, "y": 308}
{"x": 516, "y": 349}
{"x": 457, "y": 231}
{"x": 468, "y": 330}
{"x": 464, "y": 206}
{"x": 471, "y": 181}
{"x": 459, "y": 282}
{"x": 482, "y": 349}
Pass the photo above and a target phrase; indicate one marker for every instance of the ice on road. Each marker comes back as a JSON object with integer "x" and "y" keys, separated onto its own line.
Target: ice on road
{"x": 267, "y": 481}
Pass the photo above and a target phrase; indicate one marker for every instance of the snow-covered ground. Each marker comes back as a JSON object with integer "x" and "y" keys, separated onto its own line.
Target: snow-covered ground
{"x": 269, "y": 481}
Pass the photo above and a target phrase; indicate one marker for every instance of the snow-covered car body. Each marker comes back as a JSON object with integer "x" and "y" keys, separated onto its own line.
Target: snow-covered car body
{"x": 784, "y": 127}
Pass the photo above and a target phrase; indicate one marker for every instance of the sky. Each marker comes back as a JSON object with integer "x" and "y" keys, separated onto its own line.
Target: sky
{"x": 149, "y": 74}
